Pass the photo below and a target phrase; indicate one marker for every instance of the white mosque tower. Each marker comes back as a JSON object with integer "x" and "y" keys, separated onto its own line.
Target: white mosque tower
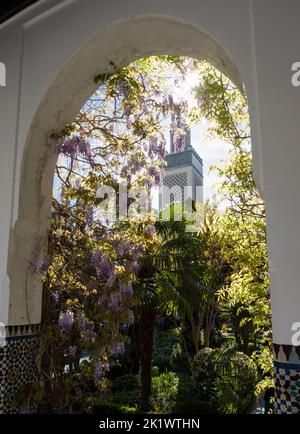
{"x": 184, "y": 168}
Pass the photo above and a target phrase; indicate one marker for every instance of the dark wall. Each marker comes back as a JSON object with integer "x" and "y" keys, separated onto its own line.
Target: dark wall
{"x": 9, "y": 8}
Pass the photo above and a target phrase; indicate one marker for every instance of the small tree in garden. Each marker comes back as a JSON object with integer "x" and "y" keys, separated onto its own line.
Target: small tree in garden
{"x": 212, "y": 269}
{"x": 160, "y": 283}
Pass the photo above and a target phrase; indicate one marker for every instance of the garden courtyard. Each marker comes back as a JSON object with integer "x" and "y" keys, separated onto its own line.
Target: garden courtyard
{"x": 141, "y": 313}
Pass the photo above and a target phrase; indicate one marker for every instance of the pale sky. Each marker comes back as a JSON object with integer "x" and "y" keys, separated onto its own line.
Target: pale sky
{"x": 212, "y": 151}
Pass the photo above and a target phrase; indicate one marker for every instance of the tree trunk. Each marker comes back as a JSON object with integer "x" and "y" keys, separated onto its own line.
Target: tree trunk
{"x": 146, "y": 349}
{"x": 135, "y": 349}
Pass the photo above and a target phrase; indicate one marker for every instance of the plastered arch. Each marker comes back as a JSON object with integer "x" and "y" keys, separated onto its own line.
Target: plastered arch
{"x": 119, "y": 43}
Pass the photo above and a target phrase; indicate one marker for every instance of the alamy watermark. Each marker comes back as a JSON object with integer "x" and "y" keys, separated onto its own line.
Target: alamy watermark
{"x": 129, "y": 203}
{"x": 296, "y": 336}
{"x": 296, "y": 76}
{"x": 2, "y": 74}
{"x": 2, "y": 335}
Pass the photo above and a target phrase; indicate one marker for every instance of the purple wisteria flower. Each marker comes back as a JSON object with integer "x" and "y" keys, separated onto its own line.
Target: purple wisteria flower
{"x": 126, "y": 289}
{"x": 91, "y": 286}
{"x": 156, "y": 148}
{"x": 123, "y": 248}
{"x": 55, "y": 296}
{"x": 152, "y": 146}
{"x": 104, "y": 301}
{"x": 117, "y": 350}
{"x": 100, "y": 370}
{"x": 72, "y": 351}
{"x": 98, "y": 373}
{"x": 135, "y": 267}
{"x": 42, "y": 265}
{"x": 135, "y": 166}
{"x": 83, "y": 323}
{"x": 25, "y": 410}
{"x": 72, "y": 146}
{"x": 116, "y": 302}
{"x": 89, "y": 217}
{"x": 66, "y": 320}
{"x": 89, "y": 334}
{"x": 156, "y": 175}
{"x": 161, "y": 150}
{"x": 150, "y": 230}
{"x": 136, "y": 252}
{"x": 108, "y": 234}
{"x": 86, "y": 327}
{"x": 111, "y": 278}
{"x": 104, "y": 267}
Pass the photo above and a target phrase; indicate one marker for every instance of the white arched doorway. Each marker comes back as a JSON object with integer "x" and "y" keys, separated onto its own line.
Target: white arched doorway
{"x": 120, "y": 42}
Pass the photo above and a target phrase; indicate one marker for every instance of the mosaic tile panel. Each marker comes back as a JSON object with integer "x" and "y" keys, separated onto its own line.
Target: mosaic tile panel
{"x": 17, "y": 365}
{"x": 287, "y": 379}
{"x": 286, "y": 353}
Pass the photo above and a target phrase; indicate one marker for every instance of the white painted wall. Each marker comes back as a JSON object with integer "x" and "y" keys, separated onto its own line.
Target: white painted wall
{"x": 44, "y": 51}
{"x": 277, "y": 47}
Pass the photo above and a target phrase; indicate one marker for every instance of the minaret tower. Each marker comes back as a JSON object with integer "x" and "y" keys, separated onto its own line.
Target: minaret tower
{"x": 184, "y": 168}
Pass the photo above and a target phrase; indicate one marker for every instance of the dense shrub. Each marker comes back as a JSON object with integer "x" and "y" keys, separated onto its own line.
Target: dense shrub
{"x": 170, "y": 391}
{"x": 235, "y": 384}
{"x": 126, "y": 390}
{"x": 165, "y": 392}
{"x": 204, "y": 372}
{"x": 126, "y": 382}
{"x": 225, "y": 378}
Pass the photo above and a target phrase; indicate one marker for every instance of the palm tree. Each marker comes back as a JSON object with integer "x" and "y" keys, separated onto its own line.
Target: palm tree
{"x": 168, "y": 274}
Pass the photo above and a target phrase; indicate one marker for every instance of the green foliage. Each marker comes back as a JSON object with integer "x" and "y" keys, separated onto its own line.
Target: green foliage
{"x": 176, "y": 393}
{"x": 171, "y": 393}
{"x": 179, "y": 358}
{"x": 243, "y": 298}
{"x": 264, "y": 360}
{"x": 225, "y": 377}
{"x": 204, "y": 372}
{"x": 235, "y": 383}
{"x": 168, "y": 353}
{"x": 164, "y": 392}
{"x": 126, "y": 390}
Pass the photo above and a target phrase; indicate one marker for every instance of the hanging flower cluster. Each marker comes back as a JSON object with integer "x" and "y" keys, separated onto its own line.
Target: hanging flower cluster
{"x": 72, "y": 146}
{"x": 105, "y": 269}
{"x": 66, "y": 320}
